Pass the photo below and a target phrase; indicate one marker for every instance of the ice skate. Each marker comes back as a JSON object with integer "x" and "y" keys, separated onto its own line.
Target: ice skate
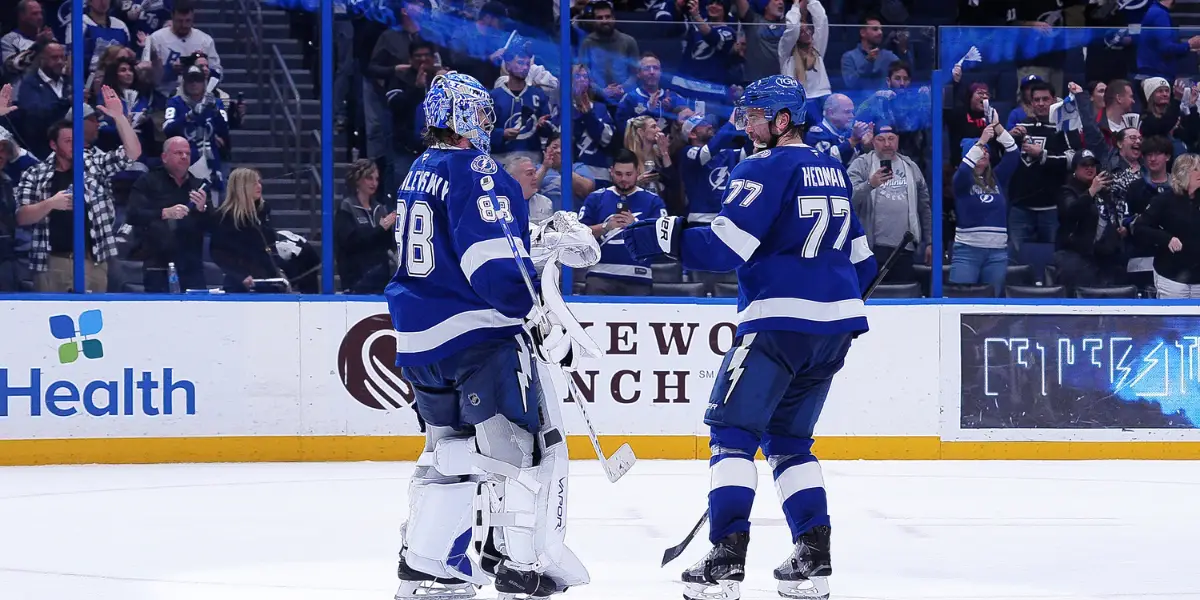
{"x": 512, "y": 584}
{"x": 415, "y": 585}
{"x": 719, "y": 574}
{"x": 805, "y": 574}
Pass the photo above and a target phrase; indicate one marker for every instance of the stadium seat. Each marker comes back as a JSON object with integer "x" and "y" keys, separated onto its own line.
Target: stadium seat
{"x": 213, "y": 275}
{"x": 1035, "y": 291}
{"x": 1116, "y": 291}
{"x": 1019, "y": 275}
{"x": 691, "y": 290}
{"x": 1038, "y": 256}
{"x": 725, "y": 290}
{"x": 124, "y": 273}
{"x": 897, "y": 290}
{"x": 1051, "y": 275}
{"x": 924, "y": 278}
{"x": 671, "y": 272}
{"x": 972, "y": 290}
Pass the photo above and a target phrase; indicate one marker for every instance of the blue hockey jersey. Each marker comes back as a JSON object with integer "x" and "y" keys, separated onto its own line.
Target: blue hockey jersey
{"x": 636, "y": 103}
{"x": 201, "y": 127}
{"x": 457, "y": 284}
{"x": 706, "y": 57}
{"x": 151, "y": 14}
{"x": 787, "y": 226}
{"x": 615, "y": 260}
{"x": 97, "y": 38}
{"x": 705, "y": 171}
{"x": 520, "y": 111}
{"x": 593, "y": 132}
{"x": 826, "y": 138}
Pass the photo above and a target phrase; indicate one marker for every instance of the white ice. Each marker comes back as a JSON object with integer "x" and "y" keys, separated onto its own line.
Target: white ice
{"x": 902, "y": 530}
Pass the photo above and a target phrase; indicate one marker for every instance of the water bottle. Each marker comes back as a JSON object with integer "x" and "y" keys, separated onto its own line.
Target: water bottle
{"x": 172, "y": 278}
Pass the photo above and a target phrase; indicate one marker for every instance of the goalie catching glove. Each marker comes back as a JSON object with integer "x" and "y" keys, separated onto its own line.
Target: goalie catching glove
{"x": 558, "y": 337}
{"x": 563, "y": 239}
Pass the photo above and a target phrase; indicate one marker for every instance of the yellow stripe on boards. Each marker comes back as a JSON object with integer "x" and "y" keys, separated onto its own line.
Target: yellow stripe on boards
{"x": 406, "y": 448}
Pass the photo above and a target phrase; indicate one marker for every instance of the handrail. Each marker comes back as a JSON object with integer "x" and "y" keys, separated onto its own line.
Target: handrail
{"x": 295, "y": 120}
{"x": 250, "y": 37}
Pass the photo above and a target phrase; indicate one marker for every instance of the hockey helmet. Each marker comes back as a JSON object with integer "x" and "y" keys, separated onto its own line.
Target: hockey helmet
{"x": 772, "y": 94}
{"x": 458, "y": 102}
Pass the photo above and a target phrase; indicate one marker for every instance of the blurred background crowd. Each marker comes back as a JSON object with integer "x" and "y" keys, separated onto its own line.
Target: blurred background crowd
{"x": 1060, "y": 154}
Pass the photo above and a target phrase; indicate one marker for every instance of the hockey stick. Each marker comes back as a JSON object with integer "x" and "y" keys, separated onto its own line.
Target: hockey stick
{"x": 674, "y": 551}
{"x": 622, "y": 460}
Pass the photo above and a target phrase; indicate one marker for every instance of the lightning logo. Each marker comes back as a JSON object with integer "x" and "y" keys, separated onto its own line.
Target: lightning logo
{"x": 735, "y": 364}
{"x": 523, "y": 371}
{"x": 1118, "y": 365}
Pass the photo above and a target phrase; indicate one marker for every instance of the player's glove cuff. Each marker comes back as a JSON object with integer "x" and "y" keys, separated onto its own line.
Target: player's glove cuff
{"x": 649, "y": 240}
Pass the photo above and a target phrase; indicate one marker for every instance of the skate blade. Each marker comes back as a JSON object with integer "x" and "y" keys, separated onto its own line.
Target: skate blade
{"x": 725, "y": 590}
{"x": 431, "y": 590}
{"x": 816, "y": 588}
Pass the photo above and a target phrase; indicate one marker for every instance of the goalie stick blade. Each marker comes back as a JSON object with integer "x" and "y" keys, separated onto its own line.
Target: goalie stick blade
{"x": 674, "y": 551}
{"x": 617, "y": 465}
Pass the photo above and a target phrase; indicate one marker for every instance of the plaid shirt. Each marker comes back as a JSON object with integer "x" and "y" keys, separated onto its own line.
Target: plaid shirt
{"x": 99, "y": 169}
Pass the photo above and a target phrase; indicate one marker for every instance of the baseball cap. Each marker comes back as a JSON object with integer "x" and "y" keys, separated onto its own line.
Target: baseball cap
{"x": 693, "y": 122}
{"x": 88, "y": 112}
{"x": 1084, "y": 157}
{"x": 194, "y": 73}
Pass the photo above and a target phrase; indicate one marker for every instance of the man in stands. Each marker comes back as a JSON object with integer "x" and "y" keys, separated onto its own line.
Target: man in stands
{"x": 607, "y": 212}
{"x": 170, "y": 44}
{"x": 101, "y": 30}
{"x": 1033, "y": 212}
{"x": 522, "y": 111}
{"x": 43, "y": 97}
{"x": 838, "y": 134}
{"x": 200, "y": 117}
{"x": 17, "y": 47}
{"x": 763, "y": 33}
{"x": 610, "y": 56}
{"x": 865, "y": 66}
{"x": 649, "y": 98}
{"x": 12, "y": 272}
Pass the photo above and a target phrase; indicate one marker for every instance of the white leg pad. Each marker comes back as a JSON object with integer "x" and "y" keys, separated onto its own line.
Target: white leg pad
{"x": 438, "y": 532}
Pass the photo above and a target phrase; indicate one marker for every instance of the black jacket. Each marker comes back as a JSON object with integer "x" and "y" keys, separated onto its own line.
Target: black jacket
{"x": 1080, "y": 216}
{"x": 161, "y": 241}
{"x": 1172, "y": 215}
{"x": 243, "y": 252}
{"x": 1036, "y": 179}
{"x": 361, "y": 244}
{"x": 8, "y": 219}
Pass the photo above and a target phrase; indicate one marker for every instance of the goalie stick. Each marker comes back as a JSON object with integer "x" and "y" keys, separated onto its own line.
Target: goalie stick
{"x": 673, "y": 552}
{"x": 622, "y": 460}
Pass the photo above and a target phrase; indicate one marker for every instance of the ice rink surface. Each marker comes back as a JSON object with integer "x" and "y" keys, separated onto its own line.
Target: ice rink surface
{"x": 902, "y": 530}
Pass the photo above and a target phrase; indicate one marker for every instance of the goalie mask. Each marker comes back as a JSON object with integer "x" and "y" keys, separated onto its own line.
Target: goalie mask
{"x": 458, "y": 102}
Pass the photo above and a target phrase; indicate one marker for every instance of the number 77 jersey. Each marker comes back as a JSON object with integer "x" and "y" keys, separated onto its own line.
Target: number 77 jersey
{"x": 787, "y": 226}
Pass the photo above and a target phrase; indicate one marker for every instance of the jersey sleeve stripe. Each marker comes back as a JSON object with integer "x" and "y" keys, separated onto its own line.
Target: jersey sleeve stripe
{"x": 493, "y": 249}
{"x": 798, "y": 308}
{"x": 456, "y": 325}
{"x": 860, "y": 250}
{"x": 742, "y": 243}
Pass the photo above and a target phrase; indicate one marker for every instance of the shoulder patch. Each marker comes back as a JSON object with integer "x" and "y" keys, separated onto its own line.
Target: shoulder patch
{"x": 484, "y": 165}
{"x": 693, "y": 152}
{"x": 816, "y": 129}
{"x": 760, "y": 154}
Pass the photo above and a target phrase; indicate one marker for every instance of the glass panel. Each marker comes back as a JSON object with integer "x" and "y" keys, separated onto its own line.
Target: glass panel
{"x": 1022, "y": 223}
{"x": 654, "y": 72}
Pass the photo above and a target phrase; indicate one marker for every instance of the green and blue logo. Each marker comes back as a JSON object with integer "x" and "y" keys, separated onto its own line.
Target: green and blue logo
{"x": 80, "y": 339}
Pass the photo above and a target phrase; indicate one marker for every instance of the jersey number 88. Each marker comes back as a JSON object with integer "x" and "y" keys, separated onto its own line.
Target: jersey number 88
{"x": 415, "y": 226}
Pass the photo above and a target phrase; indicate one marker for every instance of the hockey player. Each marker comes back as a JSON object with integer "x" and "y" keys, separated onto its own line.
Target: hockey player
{"x": 802, "y": 261}
{"x": 459, "y": 303}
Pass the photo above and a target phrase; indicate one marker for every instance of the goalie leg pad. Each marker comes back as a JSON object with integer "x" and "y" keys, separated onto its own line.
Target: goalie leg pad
{"x": 438, "y": 533}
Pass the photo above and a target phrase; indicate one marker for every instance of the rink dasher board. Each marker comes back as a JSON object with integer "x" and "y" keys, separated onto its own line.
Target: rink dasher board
{"x": 218, "y": 381}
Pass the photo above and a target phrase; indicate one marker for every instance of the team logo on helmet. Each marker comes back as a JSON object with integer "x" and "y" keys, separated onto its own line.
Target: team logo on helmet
{"x": 785, "y": 80}
{"x": 484, "y": 165}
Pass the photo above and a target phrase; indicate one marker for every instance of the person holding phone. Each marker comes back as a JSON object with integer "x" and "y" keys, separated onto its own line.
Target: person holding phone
{"x": 169, "y": 211}
{"x": 892, "y": 198}
{"x": 1090, "y": 244}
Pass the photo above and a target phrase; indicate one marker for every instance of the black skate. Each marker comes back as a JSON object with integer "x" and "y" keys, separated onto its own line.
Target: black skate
{"x": 718, "y": 575}
{"x": 512, "y": 584}
{"x": 805, "y": 574}
{"x": 415, "y": 585}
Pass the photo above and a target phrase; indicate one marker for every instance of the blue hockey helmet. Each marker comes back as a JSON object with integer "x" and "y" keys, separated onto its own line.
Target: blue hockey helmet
{"x": 772, "y": 94}
{"x": 458, "y": 102}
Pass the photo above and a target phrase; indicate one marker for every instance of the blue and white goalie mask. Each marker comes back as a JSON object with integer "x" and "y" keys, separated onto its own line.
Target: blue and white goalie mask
{"x": 458, "y": 102}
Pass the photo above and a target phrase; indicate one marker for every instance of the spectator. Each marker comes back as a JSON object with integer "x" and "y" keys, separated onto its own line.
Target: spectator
{"x": 610, "y": 56}
{"x": 19, "y": 48}
{"x": 649, "y": 98}
{"x": 43, "y": 98}
{"x": 610, "y": 210}
{"x": 592, "y": 128}
{"x": 243, "y": 239}
{"x": 1155, "y": 179}
{"x": 865, "y": 66}
{"x": 802, "y": 51}
{"x": 980, "y": 253}
{"x": 1118, "y": 102}
{"x": 705, "y": 164}
{"x": 12, "y": 271}
{"x": 763, "y": 35}
{"x": 549, "y": 179}
{"x": 909, "y": 110}
{"x": 1161, "y": 116}
{"x": 362, "y": 230}
{"x": 1090, "y": 246}
{"x": 95, "y": 78}
{"x": 100, "y": 31}
{"x": 1125, "y": 165}
{"x": 970, "y": 119}
{"x": 651, "y": 147}
{"x": 1033, "y": 211}
{"x": 1024, "y": 102}
{"x": 44, "y": 196}
{"x": 1096, "y": 91}
{"x": 121, "y": 76}
{"x": 167, "y": 46}
{"x": 708, "y": 52}
{"x": 1158, "y": 46}
{"x": 891, "y": 198}
{"x": 394, "y": 66}
{"x": 168, "y": 207}
{"x": 199, "y": 117}
{"x": 1171, "y": 225}
{"x": 522, "y": 111}
{"x": 1040, "y": 42}
{"x": 477, "y": 51}
{"x": 838, "y": 134}
{"x": 404, "y": 101}
{"x": 523, "y": 170}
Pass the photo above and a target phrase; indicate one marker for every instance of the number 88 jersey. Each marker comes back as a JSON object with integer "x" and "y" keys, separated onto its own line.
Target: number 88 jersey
{"x": 457, "y": 283}
{"x": 788, "y": 226}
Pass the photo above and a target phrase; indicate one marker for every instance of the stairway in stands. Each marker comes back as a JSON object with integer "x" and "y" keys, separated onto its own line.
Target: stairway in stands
{"x": 1187, "y": 14}
{"x": 266, "y": 141}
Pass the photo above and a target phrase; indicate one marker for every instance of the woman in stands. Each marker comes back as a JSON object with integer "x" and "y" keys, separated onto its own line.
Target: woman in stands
{"x": 802, "y": 51}
{"x": 243, "y": 240}
{"x": 980, "y": 254}
{"x": 652, "y": 147}
{"x": 1172, "y": 226}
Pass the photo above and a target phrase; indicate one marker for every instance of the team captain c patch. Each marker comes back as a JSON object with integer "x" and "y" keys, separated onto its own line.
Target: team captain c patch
{"x": 484, "y": 165}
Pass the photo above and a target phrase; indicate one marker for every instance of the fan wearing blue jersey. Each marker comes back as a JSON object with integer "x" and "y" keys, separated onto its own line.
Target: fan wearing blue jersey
{"x": 459, "y": 303}
{"x": 522, "y": 110}
{"x": 787, "y": 226}
{"x": 705, "y": 164}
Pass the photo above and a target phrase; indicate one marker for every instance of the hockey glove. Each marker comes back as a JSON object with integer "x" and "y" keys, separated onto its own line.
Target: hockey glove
{"x": 649, "y": 241}
{"x": 565, "y": 240}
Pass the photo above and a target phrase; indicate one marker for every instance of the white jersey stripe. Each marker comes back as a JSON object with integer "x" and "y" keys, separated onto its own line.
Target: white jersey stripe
{"x": 456, "y": 325}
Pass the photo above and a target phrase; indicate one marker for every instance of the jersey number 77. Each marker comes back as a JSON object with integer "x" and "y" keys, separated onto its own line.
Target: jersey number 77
{"x": 820, "y": 210}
